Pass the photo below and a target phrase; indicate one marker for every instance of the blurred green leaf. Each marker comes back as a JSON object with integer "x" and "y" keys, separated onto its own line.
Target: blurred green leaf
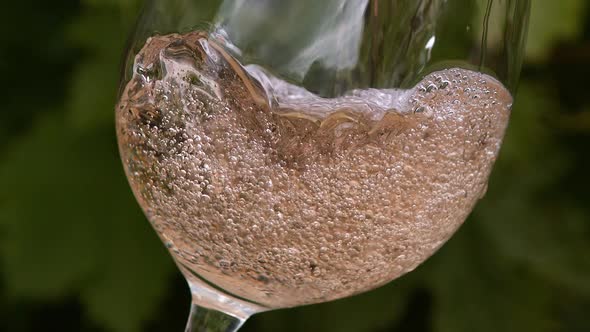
{"x": 101, "y": 33}
{"x": 70, "y": 224}
{"x": 40, "y": 223}
{"x": 551, "y": 22}
{"x": 475, "y": 290}
{"x": 120, "y": 4}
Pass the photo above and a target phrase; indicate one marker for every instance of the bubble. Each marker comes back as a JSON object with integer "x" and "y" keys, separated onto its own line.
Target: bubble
{"x": 224, "y": 264}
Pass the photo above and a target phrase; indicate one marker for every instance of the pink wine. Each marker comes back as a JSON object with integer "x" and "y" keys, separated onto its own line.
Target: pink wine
{"x": 283, "y": 198}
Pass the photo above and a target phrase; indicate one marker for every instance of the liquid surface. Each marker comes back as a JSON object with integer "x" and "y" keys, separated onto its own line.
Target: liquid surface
{"x": 309, "y": 199}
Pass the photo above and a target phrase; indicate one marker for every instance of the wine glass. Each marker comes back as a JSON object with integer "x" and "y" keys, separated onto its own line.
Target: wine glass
{"x": 290, "y": 152}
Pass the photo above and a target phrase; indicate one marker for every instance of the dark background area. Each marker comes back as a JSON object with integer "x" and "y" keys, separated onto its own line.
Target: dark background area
{"x": 76, "y": 253}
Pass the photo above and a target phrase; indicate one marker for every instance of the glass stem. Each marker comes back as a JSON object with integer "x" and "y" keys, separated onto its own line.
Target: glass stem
{"x": 209, "y": 320}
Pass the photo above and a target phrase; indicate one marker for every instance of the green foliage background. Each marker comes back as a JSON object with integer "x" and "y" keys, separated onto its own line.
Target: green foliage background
{"x": 77, "y": 255}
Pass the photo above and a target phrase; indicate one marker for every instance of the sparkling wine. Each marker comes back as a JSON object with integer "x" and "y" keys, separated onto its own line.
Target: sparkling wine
{"x": 281, "y": 197}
